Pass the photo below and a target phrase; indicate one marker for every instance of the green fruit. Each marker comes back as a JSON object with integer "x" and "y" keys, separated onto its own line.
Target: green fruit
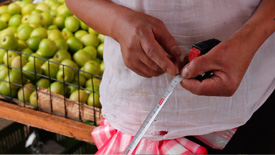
{"x": 47, "y": 48}
{"x": 33, "y": 98}
{"x": 15, "y": 20}
{"x": 4, "y": 90}
{"x": 4, "y": 9}
{"x": 14, "y": 8}
{"x": 25, "y": 32}
{"x": 61, "y": 44}
{"x": 2, "y": 53}
{"x": 52, "y": 27}
{"x": 55, "y": 35}
{"x": 91, "y": 50}
{"x": 57, "y": 87}
{"x": 93, "y": 100}
{"x": 100, "y": 50}
{"x": 18, "y": 62}
{"x": 8, "y": 56}
{"x": 33, "y": 42}
{"x": 3, "y": 72}
{"x": 25, "y": 92}
{"x": 63, "y": 10}
{"x": 81, "y": 57}
{"x": 31, "y": 70}
{"x": 67, "y": 34}
{"x": 93, "y": 82}
{"x": 61, "y": 55}
{"x": 43, "y": 7}
{"x": 59, "y": 21}
{"x": 79, "y": 96}
{"x": 25, "y": 19}
{"x": 90, "y": 40}
{"x": 71, "y": 88}
{"x": 9, "y": 42}
{"x": 5, "y": 17}
{"x": 74, "y": 44}
{"x": 43, "y": 83}
{"x": 27, "y": 9}
{"x": 78, "y": 34}
{"x": 26, "y": 53}
{"x": 35, "y": 19}
{"x": 92, "y": 89}
{"x": 80, "y": 80}
{"x": 84, "y": 26}
{"x": 67, "y": 63}
{"x": 46, "y": 19}
{"x": 102, "y": 67}
{"x": 66, "y": 74}
{"x": 15, "y": 79}
{"x": 37, "y": 58}
{"x": 92, "y": 67}
{"x": 92, "y": 31}
{"x": 21, "y": 45}
{"x": 50, "y": 69}
{"x": 3, "y": 25}
{"x": 101, "y": 38}
{"x": 39, "y": 31}
{"x": 72, "y": 23}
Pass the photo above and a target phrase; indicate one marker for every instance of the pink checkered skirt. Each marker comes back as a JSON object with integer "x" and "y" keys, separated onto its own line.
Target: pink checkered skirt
{"x": 111, "y": 141}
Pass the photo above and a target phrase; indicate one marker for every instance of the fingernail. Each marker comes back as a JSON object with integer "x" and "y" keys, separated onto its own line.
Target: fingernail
{"x": 177, "y": 50}
{"x": 185, "y": 73}
{"x": 170, "y": 71}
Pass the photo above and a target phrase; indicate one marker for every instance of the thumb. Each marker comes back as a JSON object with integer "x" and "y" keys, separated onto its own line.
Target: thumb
{"x": 197, "y": 66}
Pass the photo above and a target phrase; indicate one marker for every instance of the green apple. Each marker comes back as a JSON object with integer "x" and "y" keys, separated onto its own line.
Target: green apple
{"x": 46, "y": 19}
{"x": 93, "y": 100}
{"x": 43, "y": 7}
{"x": 63, "y": 10}
{"x": 74, "y": 44}
{"x": 18, "y": 62}
{"x": 47, "y": 48}
{"x": 71, "y": 88}
{"x": 90, "y": 90}
{"x": 27, "y": 9}
{"x": 52, "y": 27}
{"x": 35, "y": 20}
{"x": 91, "y": 50}
{"x": 72, "y": 23}
{"x": 50, "y": 69}
{"x": 25, "y": 19}
{"x": 101, "y": 38}
{"x": 83, "y": 26}
{"x": 33, "y": 42}
{"x": 58, "y": 87}
{"x": 15, "y": 20}
{"x": 43, "y": 83}
{"x": 92, "y": 31}
{"x": 25, "y": 92}
{"x": 14, "y": 29}
{"x": 5, "y": 17}
{"x": 3, "y": 25}
{"x": 61, "y": 44}
{"x": 4, "y": 9}
{"x": 90, "y": 40}
{"x": 14, "y": 79}
{"x": 102, "y": 67}
{"x": 68, "y": 62}
{"x": 31, "y": 70}
{"x": 81, "y": 57}
{"x": 25, "y": 32}
{"x": 78, "y": 34}
{"x": 9, "y": 42}
{"x": 66, "y": 74}
{"x": 14, "y": 8}
{"x": 61, "y": 55}
{"x": 55, "y": 35}
{"x": 36, "y": 11}
{"x": 26, "y": 53}
{"x": 61, "y": 1}
{"x": 93, "y": 82}
{"x": 92, "y": 67}
{"x": 2, "y": 53}
{"x": 66, "y": 33}
{"x": 21, "y": 45}
{"x": 37, "y": 58}
{"x": 7, "y": 31}
{"x": 33, "y": 98}
{"x": 3, "y": 72}
{"x": 4, "y": 90}
{"x": 100, "y": 50}
{"x": 59, "y": 21}
{"x": 21, "y": 26}
{"x": 79, "y": 96}
{"x": 40, "y": 31}
{"x": 8, "y": 56}
{"x": 80, "y": 80}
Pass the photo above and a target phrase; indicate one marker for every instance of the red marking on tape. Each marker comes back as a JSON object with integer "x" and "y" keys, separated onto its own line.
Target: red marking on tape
{"x": 194, "y": 52}
{"x": 161, "y": 101}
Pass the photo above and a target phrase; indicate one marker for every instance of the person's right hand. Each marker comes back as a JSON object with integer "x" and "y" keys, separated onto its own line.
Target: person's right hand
{"x": 146, "y": 44}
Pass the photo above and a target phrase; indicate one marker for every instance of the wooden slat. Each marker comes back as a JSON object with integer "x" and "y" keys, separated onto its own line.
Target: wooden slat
{"x": 42, "y": 120}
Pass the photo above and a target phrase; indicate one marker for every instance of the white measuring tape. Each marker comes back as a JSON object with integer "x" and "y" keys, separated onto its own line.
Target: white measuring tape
{"x": 150, "y": 118}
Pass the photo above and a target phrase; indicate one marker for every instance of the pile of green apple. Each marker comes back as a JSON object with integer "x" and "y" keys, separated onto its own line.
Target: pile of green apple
{"x": 45, "y": 45}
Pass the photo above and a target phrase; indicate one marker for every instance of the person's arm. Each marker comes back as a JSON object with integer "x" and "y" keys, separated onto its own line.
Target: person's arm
{"x": 142, "y": 38}
{"x": 230, "y": 59}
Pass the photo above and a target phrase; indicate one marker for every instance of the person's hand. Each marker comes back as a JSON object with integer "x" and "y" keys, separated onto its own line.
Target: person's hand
{"x": 146, "y": 44}
{"x": 228, "y": 60}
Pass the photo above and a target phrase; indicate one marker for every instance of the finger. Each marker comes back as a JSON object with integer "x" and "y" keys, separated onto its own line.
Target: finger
{"x": 198, "y": 66}
{"x": 156, "y": 53}
{"x": 167, "y": 41}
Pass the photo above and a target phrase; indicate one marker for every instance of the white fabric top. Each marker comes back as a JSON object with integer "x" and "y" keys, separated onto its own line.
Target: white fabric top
{"x": 127, "y": 98}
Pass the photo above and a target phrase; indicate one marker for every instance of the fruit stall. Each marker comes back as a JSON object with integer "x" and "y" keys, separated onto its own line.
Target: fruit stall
{"x": 51, "y": 65}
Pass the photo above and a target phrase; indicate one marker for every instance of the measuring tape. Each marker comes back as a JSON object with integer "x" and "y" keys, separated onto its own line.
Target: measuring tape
{"x": 150, "y": 118}
{"x": 197, "y": 50}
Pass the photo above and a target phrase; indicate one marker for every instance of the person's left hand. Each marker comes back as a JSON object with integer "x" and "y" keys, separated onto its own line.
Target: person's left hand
{"x": 228, "y": 61}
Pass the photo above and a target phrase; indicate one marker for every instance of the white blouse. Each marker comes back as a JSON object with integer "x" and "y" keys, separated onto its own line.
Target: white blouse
{"x": 127, "y": 98}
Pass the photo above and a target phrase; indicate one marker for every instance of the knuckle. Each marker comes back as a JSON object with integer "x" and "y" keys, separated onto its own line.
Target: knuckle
{"x": 150, "y": 52}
